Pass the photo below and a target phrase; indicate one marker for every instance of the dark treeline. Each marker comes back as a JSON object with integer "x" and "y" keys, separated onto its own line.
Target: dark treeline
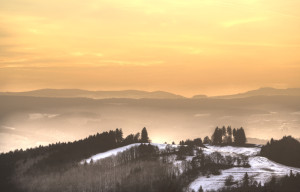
{"x": 206, "y": 164}
{"x": 221, "y": 136}
{"x": 289, "y": 183}
{"x": 229, "y": 136}
{"x": 196, "y": 142}
{"x": 56, "y": 157}
{"x": 285, "y": 151}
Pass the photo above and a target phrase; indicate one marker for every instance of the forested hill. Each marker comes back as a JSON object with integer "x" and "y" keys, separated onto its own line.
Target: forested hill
{"x": 285, "y": 151}
{"x": 55, "y": 157}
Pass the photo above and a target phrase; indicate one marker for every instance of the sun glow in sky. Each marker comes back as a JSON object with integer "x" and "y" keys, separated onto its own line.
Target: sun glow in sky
{"x": 186, "y": 47}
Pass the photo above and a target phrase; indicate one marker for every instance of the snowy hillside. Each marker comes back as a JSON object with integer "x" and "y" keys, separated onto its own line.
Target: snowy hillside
{"x": 261, "y": 170}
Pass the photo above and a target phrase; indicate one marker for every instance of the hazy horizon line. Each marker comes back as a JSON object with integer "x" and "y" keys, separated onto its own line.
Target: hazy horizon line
{"x": 151, "y": 91}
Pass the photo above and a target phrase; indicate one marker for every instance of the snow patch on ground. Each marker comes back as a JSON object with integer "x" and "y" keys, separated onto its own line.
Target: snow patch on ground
{"x": 109, "y": 153}
{"x": 121, "y": 149}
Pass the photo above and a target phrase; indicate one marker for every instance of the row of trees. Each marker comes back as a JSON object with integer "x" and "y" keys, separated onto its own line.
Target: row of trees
{"x": 212, "y": 163}
{"x": 229, "y": 136}
{"x": 221, "y": 136}
{"x": 196, "y": 142}
{"x": 137, "y": 138}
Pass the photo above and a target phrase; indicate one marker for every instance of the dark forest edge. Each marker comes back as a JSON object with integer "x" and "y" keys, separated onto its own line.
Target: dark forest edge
{"x": 285, "y": 151}
{"x": 61, "y": 156}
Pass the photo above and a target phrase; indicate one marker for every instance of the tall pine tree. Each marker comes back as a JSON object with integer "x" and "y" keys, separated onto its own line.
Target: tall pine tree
{"x": 217, "y": 136}
{"x": 144, "y": 136}
{"x": 240, "y": 137}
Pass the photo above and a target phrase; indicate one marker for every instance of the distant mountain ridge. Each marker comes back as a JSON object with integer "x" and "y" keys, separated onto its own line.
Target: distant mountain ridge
{"x": 137, "y": 94}
{"x": 70, "y": 93}
{"x": 265, "y": 91}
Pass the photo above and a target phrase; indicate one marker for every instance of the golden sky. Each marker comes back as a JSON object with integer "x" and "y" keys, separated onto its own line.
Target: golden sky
{"x": 186, "y": 47}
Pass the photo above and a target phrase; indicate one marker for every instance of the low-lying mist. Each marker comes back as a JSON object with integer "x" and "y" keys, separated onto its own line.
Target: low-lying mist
{"x": 32, "y": 121}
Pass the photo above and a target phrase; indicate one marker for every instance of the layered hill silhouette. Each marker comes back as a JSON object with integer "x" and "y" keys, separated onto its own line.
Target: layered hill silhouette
{"x": 138, "y": 94}
{"x": 70, "y": 93}
{"x": 266, "y": 91}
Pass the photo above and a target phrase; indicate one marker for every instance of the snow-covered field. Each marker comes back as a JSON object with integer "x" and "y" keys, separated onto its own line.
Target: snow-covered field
{"x": 230, "y": 150}
{"x": 261, "y": 170}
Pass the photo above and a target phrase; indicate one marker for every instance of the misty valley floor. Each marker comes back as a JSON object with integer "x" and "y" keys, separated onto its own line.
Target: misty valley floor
{"x": 33, "y": 121}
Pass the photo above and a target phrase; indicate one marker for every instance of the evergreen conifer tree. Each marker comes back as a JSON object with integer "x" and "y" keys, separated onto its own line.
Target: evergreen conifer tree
{"x": 144, "y": 136}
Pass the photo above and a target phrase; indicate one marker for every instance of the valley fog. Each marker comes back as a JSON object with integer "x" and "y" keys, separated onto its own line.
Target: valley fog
{"x": 32, "y": 121}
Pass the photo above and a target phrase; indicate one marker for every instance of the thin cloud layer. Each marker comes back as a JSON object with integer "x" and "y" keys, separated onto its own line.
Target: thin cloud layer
{"x": 208, "y": 45}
